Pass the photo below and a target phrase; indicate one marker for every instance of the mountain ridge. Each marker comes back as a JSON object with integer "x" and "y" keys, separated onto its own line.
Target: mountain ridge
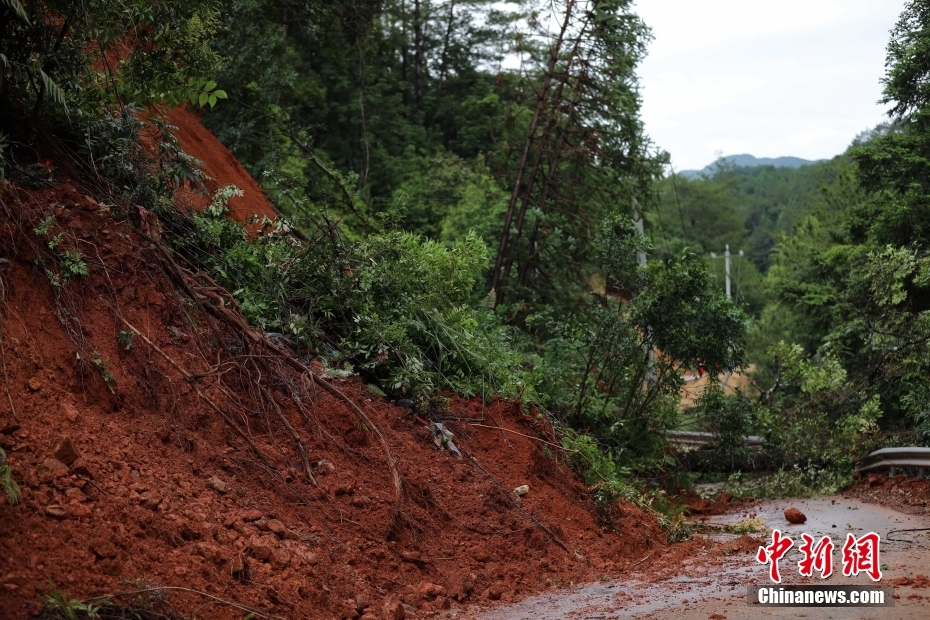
{"x": 746, "y": 160}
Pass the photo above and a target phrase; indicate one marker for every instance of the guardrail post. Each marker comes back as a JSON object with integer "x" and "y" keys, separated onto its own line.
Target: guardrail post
{"x": 892, "y": 471}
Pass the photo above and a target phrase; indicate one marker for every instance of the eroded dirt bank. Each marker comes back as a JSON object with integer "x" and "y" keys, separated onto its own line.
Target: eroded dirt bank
{"x": 159, "y": 445}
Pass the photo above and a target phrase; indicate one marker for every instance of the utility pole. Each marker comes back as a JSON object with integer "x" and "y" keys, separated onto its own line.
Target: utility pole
{"x": 727, "y": 259}
{"x": 641, "y": 260}
{"x": 726, "y": 266}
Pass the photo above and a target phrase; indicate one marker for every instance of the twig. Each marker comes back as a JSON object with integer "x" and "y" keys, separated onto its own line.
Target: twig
{"x": 225, "y": 314}
{"x": 294, "y": 435}
{"x": 513, "y": 502}
{"x": 6, "y": 379}
{"x": 548, "y": 443}
{"x": 250, "y": 610}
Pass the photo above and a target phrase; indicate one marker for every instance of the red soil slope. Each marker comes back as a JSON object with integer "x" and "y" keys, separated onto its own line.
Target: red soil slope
{"x": 221, "y": 166}
{"x": 133, "y": 477}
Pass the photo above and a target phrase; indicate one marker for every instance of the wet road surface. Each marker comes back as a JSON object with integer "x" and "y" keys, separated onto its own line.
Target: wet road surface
{"x": 705, "y": 590}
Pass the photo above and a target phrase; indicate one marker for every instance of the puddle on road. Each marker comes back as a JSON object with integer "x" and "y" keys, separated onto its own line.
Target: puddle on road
{"x": 703, "y": 591}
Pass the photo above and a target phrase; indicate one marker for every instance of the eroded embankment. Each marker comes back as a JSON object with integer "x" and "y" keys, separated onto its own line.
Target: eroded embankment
{"x": 159, "y": 444}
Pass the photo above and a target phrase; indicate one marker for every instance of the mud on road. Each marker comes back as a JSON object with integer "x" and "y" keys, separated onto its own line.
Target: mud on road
{"x": 712, "y": 583}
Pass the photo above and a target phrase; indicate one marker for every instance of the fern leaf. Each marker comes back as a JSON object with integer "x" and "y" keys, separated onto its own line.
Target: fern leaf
{"x": 54, "y": 91}
{"x": 17, "y": 7}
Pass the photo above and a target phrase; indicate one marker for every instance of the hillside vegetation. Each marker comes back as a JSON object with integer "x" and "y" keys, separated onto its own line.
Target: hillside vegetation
{"x": 451, "y": 198}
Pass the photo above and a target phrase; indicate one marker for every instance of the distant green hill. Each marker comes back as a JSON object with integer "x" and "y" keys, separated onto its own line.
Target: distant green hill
{"x": 748, "y": 161}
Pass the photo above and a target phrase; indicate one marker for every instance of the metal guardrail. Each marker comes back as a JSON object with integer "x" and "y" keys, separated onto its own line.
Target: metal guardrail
{"x": 893, "y": 459}
{"x": 697, "y": 439}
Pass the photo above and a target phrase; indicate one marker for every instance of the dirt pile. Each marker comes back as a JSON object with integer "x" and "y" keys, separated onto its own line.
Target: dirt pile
{"x": 221, "y": 166}
{"x": 902, "y": 493}
{"x": 160, "y": 449}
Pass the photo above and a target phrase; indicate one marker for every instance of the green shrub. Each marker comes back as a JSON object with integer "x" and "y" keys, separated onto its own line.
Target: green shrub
{"x": 395, "y": 305}
{"x": 7, "y": 484}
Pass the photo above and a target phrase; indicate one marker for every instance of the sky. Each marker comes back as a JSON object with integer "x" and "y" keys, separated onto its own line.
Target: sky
{"x": 766, "y": 77}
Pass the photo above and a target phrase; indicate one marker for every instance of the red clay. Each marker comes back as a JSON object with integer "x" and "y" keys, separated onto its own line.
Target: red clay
{"x": 129, "y": 479}
{"x": 222, "y": 168}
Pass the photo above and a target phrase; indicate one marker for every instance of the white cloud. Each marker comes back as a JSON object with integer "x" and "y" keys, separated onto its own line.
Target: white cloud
{"x": 794, "y": 77}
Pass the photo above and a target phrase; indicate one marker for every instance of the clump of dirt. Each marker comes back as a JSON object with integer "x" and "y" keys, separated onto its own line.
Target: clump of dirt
{"x": 904, "y": 494}
{"x": 696, "y": 505}
{"x": 920, "y": 581}
{"x": 160, "y": 449}
{"x": 743, "y": 545}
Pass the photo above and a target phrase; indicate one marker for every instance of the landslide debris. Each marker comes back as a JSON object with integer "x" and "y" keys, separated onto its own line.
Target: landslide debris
{"x": 161, "y": 443}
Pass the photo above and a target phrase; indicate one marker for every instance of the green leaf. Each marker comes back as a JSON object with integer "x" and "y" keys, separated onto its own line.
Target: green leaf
{"x": 203, "y": 99}
{"x": 53, "y": 90}
{"x": 17, "y": 8}
{"x": 220, "y": 94}
{"x": 209, "y": 86}
{"x": 212, "y": 100}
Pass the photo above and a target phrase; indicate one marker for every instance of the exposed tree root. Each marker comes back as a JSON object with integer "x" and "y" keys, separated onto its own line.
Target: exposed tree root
{"x": 6, "y": 379}
{"x": 193, "y": 382}
{"x": 232, "y": 319}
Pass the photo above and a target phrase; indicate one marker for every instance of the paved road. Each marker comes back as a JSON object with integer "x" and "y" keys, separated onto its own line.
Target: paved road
{"x": 703, "y": 591}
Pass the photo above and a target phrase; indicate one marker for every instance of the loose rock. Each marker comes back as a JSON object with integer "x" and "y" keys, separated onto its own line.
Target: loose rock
{"x": 218, "y": 485}
{"x": 50, "y": 470}
{"x": 56, "y": 511}
{"x": 64, "y": 450}
{"x": 795, "y": 516}
{"x": 251, "y": 515}
{"x": 80, "y": 468}
{"x": 394, "y": 610}
{"x": 277, "y": 527}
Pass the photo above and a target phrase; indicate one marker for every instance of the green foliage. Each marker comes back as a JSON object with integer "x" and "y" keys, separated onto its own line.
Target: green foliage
{"x": 57, "y": 605}
{"x": 7, "y": 484}
{"x": 56, "y": 50}
{"x": 84, "y": 72}
{"x": 113, "y": 141}
{"x": 72, "y": 265}
{"x": 396, "y": 305}
{"x": 815, "y": 417}
{"x": 448, "y": 198}
{"x": 204, "y": 91}
{"x": 791, "y": 481}
{"x": 610, "y": 483}
{"x": 731, "y": 419}
{"x": 102, "y": 366}
{"x": 126, "y": 339}
{"x": 17, "y": 7}
{"x": 147, "y": 603}
{"x": 615, "y": 371}
{"x": 70, "y": 262}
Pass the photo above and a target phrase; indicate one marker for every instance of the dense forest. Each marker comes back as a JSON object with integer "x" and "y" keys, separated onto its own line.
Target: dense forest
{"x": 460, "y": 184}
